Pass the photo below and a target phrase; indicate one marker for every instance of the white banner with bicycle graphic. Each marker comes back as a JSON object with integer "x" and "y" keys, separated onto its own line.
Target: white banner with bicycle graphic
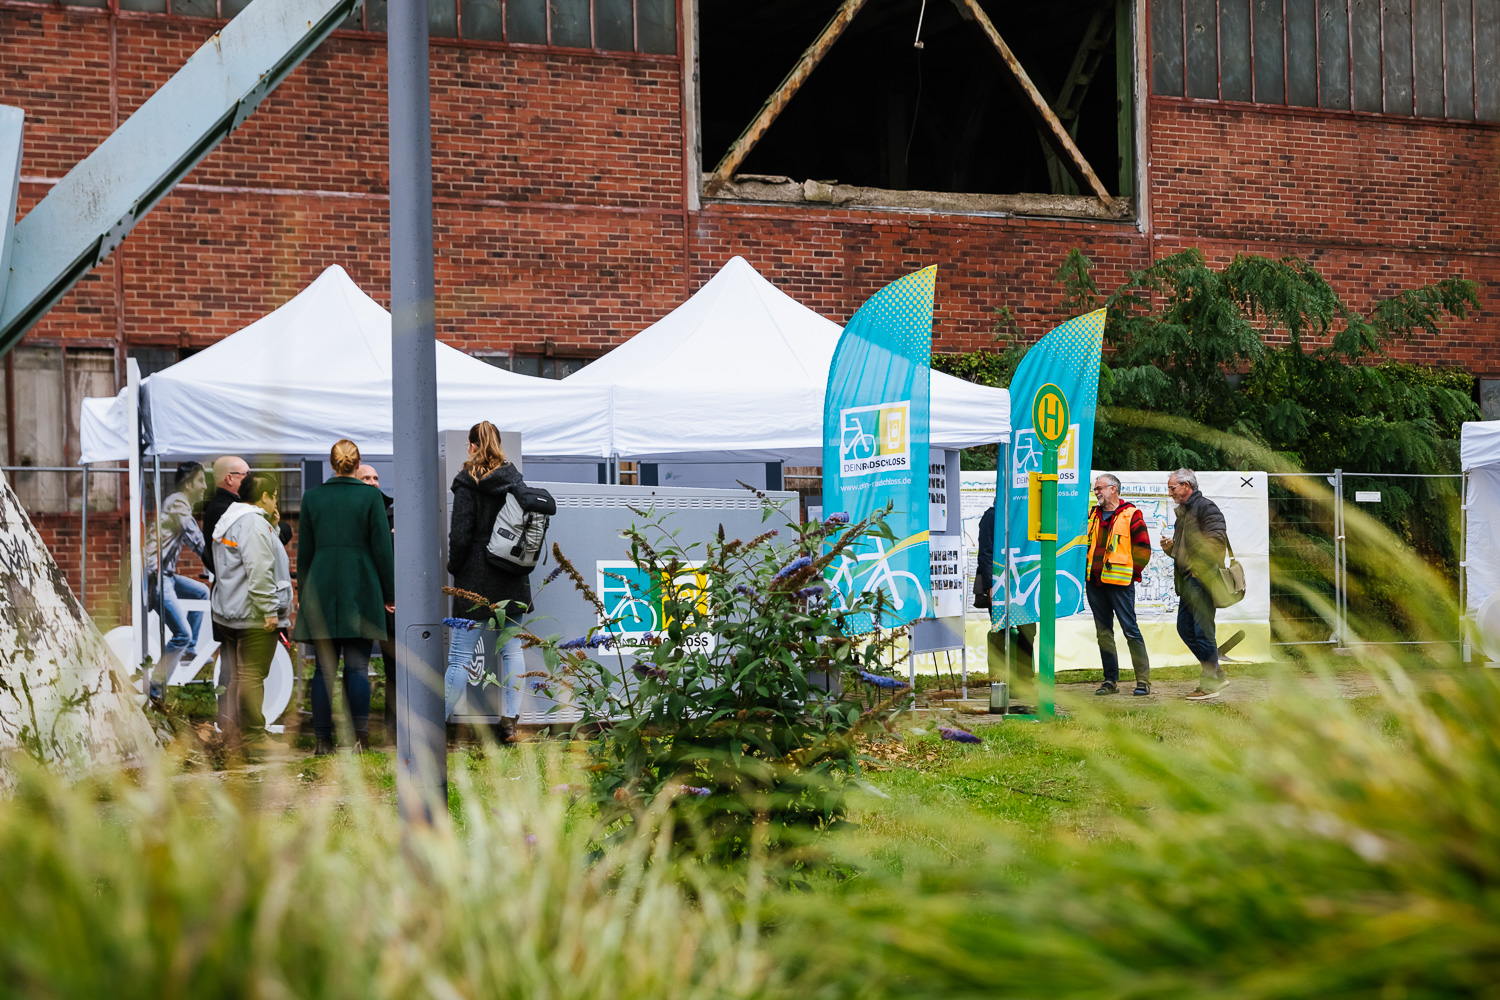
{"x": 1243, "y": 498}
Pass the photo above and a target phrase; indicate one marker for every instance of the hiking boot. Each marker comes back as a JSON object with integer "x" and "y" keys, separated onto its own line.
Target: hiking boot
{"x": 323, "y": 747}
{"x": 362, "y": 742}
{"x": 1108, "y": 687}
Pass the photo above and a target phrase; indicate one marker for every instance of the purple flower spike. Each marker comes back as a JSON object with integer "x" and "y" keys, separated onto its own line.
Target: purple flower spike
{"x": 840, "y": 518}
{"x": 538, "y": 686}
{"x": 553, "y": 575}
{"x": 807, "y": 592}
{"x": 746, "y": 589}
{"x": 700, "y": 792}
{"x": 958, "y": 735}
{"x": 578, "y": 643}
{"x": 463, "y": 624}
{"x": 800, "y": 563}
{"x": 881, "y": 681}
{"x": 646, "y": 670}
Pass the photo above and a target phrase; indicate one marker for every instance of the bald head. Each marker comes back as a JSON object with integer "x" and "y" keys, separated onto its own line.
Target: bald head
{"x": 367, "y": 475}
{"x": 229, "y": 472}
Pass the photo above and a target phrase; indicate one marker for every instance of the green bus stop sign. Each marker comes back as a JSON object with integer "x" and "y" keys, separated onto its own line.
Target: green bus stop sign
{"x": 1049, "y": 415}
{"x": 1050, "y": 418}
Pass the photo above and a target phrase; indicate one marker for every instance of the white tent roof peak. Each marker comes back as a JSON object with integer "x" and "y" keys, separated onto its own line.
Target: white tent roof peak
{"x": 319, "y": 368}
{"x": 738, "y": 373}
{"x": 738, "y": 323}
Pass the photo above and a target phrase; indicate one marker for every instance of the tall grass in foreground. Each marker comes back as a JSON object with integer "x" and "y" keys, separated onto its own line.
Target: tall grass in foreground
{"x": 192, "y": 887}
{"x": 1299, "y": 848}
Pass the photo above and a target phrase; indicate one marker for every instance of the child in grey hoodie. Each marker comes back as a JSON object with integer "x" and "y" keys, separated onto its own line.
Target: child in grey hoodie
{"x": 252, "y": 600}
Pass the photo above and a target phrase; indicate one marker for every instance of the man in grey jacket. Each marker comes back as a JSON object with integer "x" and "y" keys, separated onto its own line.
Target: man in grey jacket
{"x": 1197, "y": 549}
{"x": 252, "y": 600}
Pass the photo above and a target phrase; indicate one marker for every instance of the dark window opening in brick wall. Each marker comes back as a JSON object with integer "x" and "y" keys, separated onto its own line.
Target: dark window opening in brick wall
{"x": 646, "y": 26}
{"x": 878, "y": 112}
{"x": 1430, "y": 58}
{"x": 543, "y": 365}
{"x": 41, "y": 400}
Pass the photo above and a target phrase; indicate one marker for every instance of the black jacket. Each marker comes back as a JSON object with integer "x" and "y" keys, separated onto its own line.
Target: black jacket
{"x": 474, "y": 508}
{"x": 1198, "y": 541}
{"x": 984, "y": 573}
{"x": 212, "y": 511}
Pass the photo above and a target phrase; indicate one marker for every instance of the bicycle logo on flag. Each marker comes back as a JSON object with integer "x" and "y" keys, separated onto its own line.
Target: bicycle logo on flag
{"x": 1026, "y": 457}
{"x": 875, "y": 438}
{"x": 636, "y": 603}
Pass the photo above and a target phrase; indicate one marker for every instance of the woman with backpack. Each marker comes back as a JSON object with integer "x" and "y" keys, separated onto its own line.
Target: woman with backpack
{"x": 347, "y": 583}
{"x": 479, "y": 492}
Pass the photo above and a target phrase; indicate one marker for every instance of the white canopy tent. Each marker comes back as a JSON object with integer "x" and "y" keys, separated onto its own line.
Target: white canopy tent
{"x": 319, "y": 368}
{"x": 1479, "y": 451}
{"x": 737, "y": 373}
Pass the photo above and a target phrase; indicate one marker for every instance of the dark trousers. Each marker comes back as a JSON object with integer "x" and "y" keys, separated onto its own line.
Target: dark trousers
{"x": 356, "y": 657}
{"x": 1109, "y": 601}
{"x": 1195, "y": 623}
{"x": 246, "y": 657}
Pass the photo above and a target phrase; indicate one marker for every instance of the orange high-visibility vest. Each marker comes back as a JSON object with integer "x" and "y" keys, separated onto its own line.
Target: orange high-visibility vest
{"x": 1119, "y": 561}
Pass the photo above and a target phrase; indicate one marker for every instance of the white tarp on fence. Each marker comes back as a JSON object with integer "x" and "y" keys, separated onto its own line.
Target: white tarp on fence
{"x": 1242, "y": 496}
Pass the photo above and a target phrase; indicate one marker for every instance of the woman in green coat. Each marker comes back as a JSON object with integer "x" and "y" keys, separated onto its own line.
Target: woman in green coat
{"x": 346, "y": 582}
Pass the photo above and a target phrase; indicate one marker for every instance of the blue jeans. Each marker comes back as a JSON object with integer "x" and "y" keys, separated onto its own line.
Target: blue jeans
{"x": 184, "y": 627}
{"x": 1195, "y": 623}
{"x": 461, "y": 646}
{"x": 1109, "y": 601}
{"x": 356, "y": 655}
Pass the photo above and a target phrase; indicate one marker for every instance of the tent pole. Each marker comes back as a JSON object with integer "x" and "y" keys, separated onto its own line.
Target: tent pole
{"x": 1465, "y": 652}
{"x": 421, "y": 734}
{"x": 83, "y": 542}
{"x": 1004, "y": 471}
{"x": 161, "y": 604}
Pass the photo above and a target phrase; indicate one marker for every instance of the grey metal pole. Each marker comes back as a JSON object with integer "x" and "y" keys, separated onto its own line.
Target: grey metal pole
{"x": 421, "y": 735}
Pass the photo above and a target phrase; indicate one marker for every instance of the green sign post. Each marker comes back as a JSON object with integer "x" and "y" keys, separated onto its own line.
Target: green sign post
{"x": 1049, "y": 412}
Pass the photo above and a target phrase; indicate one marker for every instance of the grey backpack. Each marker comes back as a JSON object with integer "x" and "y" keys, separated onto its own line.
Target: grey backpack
{"x": 519, "y": 534}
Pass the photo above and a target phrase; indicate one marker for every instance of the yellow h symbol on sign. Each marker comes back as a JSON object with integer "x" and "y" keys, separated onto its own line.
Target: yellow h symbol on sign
{"x": 1049, "y": 415}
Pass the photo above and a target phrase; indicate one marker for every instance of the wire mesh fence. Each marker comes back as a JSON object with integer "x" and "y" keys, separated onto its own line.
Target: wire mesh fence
{"x": 1335, "y": 578}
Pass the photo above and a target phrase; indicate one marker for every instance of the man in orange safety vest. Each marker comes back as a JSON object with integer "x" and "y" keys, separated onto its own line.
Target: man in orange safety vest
{"x": 1118, "y": 549}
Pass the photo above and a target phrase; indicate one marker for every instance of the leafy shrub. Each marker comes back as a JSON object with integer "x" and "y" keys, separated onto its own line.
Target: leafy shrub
{"x": 737, "y": 711}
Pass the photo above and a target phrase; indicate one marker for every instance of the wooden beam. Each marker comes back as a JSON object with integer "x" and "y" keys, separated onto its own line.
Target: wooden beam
{"x": 777, "y": 102}
{"x": 1051, "y": 128}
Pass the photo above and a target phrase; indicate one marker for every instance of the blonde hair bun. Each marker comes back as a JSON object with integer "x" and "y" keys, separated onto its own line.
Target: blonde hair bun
{"x": 344, "y": 457}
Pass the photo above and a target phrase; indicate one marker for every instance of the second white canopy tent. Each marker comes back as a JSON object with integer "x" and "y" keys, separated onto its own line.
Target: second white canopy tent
{"x": 737, "y": 373}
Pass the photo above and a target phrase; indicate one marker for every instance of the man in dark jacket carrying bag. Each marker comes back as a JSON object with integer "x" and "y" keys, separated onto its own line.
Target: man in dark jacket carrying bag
{"x": 1197, "y": 549}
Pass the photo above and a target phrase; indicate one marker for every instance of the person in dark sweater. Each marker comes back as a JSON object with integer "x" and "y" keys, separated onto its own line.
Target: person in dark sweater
{"x": 1197, "y": 548}
{"x": 1119, "y": 547}
{"x": 229, "y": 476}
{"x": 1021, "y": 636}
{"x": 479, "y": 491}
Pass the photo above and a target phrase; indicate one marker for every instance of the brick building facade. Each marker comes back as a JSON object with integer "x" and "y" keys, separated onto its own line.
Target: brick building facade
{"x": 569, "y": 214}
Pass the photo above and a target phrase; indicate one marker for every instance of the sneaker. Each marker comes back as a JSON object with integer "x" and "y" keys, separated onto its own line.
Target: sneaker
{"x": 1201, "y": 695}
{"x": 1141, "y": 690}
{"x": 1108, "y": 687}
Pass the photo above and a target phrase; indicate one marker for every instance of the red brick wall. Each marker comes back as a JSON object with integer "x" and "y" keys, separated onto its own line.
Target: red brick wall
{"x": 559, "y": 205}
